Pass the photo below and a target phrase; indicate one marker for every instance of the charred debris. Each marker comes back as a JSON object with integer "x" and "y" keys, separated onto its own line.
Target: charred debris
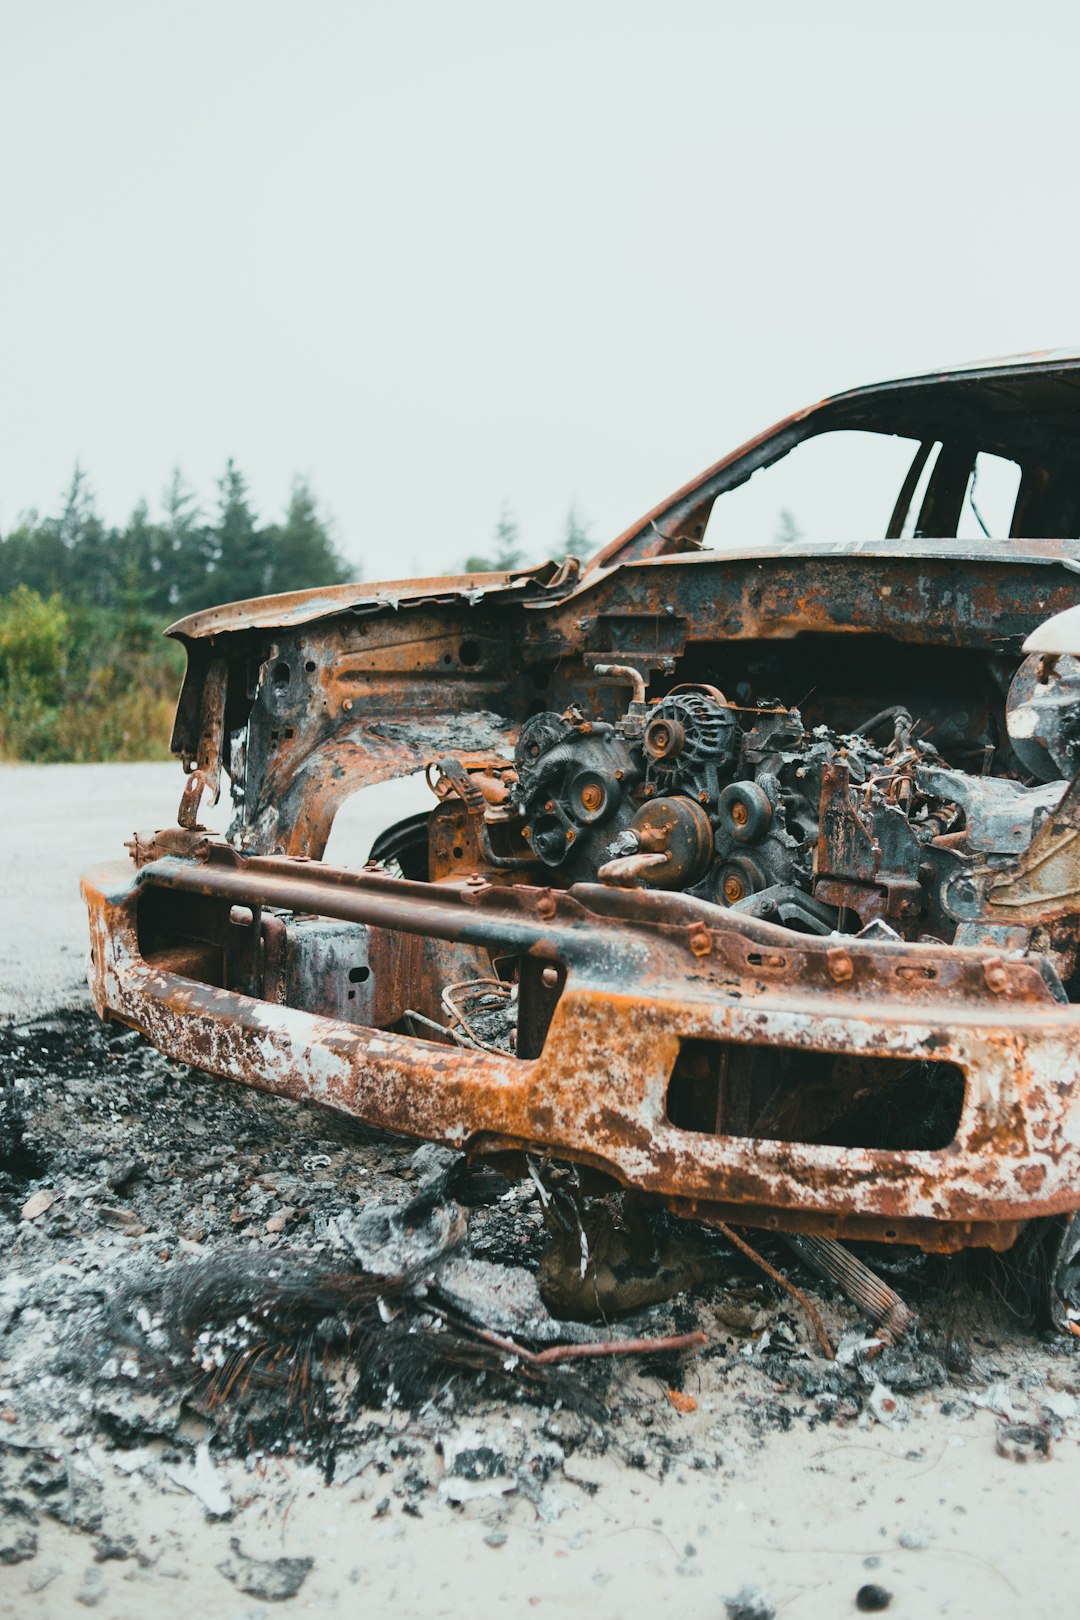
{"x": 190, "y": 1262}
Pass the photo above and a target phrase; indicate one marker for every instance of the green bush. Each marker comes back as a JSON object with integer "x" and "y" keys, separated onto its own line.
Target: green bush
{"x": 84, "y": 671}
{"x": 81, "y": 683}
{"x": 33, "y": 641}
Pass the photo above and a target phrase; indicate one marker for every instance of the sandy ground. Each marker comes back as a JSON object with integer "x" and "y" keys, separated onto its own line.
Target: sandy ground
{"x": 808, "y": 1518}
{"x": 806, "y": 1509}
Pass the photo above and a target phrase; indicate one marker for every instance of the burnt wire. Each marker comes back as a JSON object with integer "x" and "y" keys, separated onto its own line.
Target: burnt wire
{"x": 286, "y": 1342}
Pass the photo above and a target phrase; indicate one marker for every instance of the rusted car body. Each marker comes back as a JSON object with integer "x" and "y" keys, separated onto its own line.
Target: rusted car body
{"x": 751, "y": 876}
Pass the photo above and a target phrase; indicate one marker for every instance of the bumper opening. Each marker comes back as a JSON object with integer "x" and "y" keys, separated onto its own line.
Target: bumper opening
{"x": 374, "y": 977}
{"x": 773, "y": 1093}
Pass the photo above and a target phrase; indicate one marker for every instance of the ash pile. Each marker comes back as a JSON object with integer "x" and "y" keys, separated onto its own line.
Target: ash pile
{"x": 195, "y": 1272}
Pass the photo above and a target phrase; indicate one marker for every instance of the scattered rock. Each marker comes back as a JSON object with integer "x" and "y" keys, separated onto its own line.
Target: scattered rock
{"x": 749, "y": 1604}
{"x": 18, "y": 1533}
{"x": 122, "y": 1172}
{"x": 271, "y": 1579}
{"x": 66, "y": 1492}
{"x": 93, "y": 1588}
{"x": 38, "y": 1203}
{"x": 914, "y": 1540}
{"x": 203, "y": 1480}
{"x": 124, "y": 1220}
{"x": 39, "y": 1579}
{"x": 106, "y": 1548}
{"x": 506, "y": 1299}
{"x": 887, "y": 1407}
{"x": 391, "y": 1239}
{"x": 474, "y": 1468}
{"x": 871, "y": 1599}
{"x": 1023, "y": 1442}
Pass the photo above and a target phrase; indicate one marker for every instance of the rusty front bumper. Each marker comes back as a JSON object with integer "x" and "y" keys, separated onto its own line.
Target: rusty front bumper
{"x": 644, "y": 974}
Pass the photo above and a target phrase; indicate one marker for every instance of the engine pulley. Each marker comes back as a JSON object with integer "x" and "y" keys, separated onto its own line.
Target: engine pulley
{"x": 745, "y": 812}
{"x": 676, "y": 829}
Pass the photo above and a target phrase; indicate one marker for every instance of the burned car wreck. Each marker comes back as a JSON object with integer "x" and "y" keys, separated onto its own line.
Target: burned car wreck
{"x": 750, "y": 879}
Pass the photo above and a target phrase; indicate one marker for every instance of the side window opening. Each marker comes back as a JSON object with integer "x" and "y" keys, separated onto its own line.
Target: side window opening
{"x": 971, "y": 495}
{"x": 853, "y": 485}
{"x": 990, "y": 498}
{"x": 838, "y": 487}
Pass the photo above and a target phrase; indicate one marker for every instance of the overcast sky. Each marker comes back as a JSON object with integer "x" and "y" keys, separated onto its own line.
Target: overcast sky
{"x": 438, "y": 254}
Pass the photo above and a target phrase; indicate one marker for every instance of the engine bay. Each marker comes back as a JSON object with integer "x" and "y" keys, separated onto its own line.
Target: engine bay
{"x": 822, "y": 828}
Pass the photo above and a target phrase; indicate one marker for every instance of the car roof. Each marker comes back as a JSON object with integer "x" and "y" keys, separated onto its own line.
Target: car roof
{"x": 1015, "y": 406}
{"x": 1007, "y": 403}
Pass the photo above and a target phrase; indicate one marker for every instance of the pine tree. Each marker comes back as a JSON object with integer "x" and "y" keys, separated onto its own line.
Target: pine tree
{"x": 576, "y": 541}
{"x": 507, "y": 553}
{"x": 93, "y": 564}
{"x": 78, "y": 515}
{"x": 35, "y": 556}
{"x": 187, "y": 548}
{"x": 139, "y": 562}
{"x": 240, "y": 565}
{"x": 79, "y": 541}
{"x": 302, "y": 551}
{"x": 787, "y": 530}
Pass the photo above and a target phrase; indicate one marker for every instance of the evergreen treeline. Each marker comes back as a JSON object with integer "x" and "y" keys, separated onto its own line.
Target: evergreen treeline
{"x": 174, "y": 564}
{"x": 85, "y": 673}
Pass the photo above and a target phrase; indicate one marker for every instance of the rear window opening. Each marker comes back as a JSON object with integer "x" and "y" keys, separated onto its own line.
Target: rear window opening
{"x": 726, "y": 1088}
